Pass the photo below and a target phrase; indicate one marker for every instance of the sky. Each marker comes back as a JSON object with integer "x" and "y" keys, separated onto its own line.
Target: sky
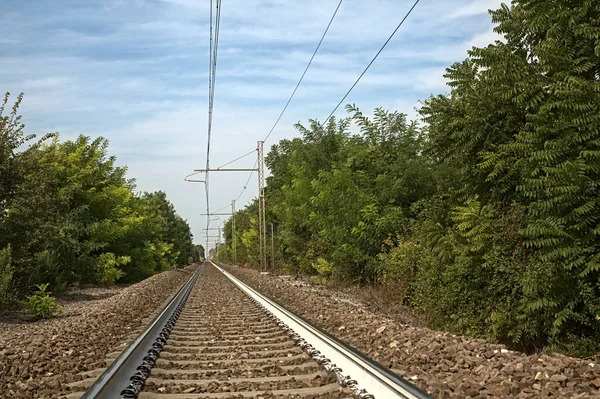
{"x": 136, "y": 72}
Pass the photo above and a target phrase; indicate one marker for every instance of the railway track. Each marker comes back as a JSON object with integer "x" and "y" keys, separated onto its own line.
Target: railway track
{"x": 218, "y": 338}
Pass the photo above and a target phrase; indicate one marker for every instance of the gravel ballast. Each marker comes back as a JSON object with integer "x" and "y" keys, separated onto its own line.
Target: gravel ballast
{"x": 228, "y": 339}
{"x": 38, "y": 359}
{"x": 446, "y": 365}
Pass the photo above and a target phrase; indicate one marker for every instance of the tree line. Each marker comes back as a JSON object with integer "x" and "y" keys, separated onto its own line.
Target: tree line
{"x": 70, "y": 216}
{"x": 484, "y": 215}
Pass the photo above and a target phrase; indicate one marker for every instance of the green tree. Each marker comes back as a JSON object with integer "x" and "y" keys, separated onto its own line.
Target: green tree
{"x": 175, "y": 230}
{"x": 489, "y": 213}
{"x": 74, "y": 218}
{"x": 64, "y": 211}
{"x": 336, "y": 197}
{"x": 521, "y": 126}
{"x": 12, "y": 153}
{"x": 197, "y": 253}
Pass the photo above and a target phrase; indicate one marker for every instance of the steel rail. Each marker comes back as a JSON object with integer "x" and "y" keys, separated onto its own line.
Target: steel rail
{"x": 117, "y": 376}
{"x": 369, "y": 375}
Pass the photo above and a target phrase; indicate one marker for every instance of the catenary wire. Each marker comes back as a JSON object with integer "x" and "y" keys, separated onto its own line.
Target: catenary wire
{"x": 305, "y": 69}
{"x": 220, "y": 209}
{"x": 237, "y": 159}
{"x": 210, "y": 61}
{"x": 213, "y": 51}
{"x": 372, "y": 61}
{"x": 247, "y": 181}
{"x": 289, "y": 99}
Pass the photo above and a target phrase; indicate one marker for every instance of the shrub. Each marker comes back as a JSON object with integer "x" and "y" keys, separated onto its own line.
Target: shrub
{"x": 324, "y": 268}
{"x": 41, "y": 305}
{"x": 316, "y": 280}
{"x": 397, "y": 268}
{"x": 108, "y": 267}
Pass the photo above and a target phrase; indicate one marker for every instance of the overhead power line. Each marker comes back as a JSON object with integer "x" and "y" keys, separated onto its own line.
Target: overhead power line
{"x": 220, "y": 209}
{"x": 237, "y": 159}
{"x": 288, "y": 101}
{"x": 372, "y": 61}
{"x": 213, "y": 51}
{"x": 305, "y": 70}
{"x": 210, "y": 62}
{"x": 247, "y": 181}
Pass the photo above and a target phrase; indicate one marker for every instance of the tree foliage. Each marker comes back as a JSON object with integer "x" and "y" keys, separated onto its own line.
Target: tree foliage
{"x": 12, "y": 141}
{"x": 68, "y": 215}
{"x": 522, "y": 125}
{"x": 486, "y": 217}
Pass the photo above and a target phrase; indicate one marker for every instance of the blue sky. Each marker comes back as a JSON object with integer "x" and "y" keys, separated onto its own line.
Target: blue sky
{"x": 136, "y": 72}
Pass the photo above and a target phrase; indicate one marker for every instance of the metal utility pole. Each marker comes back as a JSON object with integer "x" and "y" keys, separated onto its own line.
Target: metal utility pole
{"x": 219, "y": 239}
{"x": 261, "y": 200}
{"x": 272, "y": 247}
{"x": 218, "y": 243}
{"x": 262, "y": 223}
{"x": 219, "y": 228}
{"x": 233, "y": 232}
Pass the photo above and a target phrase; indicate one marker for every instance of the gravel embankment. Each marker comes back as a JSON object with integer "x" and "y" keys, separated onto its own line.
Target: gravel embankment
{"x": 225, "y": 344}
{"x": 445, "y": 365}
{"x": 38, "y": 359}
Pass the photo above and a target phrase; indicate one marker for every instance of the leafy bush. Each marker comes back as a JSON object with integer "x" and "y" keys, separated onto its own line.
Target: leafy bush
{"x": 316, "y": 280}
{"x": 41, "y": 305}
{"x": 108, "y": 267}
{"x": 398, "y": 267}
{"x": 324, "y": 269}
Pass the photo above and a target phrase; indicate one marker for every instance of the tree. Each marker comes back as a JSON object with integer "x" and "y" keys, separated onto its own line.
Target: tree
{"x": 522, "y": 126}
{"x": 74, "y": 219}
{"x": 335, "y": 196}
{"x": 6, "y": 273}
{"x": 197, "y": 253}
{"x": 12, "y": 153}
{"x": 491, "y": 212}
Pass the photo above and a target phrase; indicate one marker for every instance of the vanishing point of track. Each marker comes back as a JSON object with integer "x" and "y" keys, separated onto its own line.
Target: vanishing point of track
{"x": 218, "y": 338}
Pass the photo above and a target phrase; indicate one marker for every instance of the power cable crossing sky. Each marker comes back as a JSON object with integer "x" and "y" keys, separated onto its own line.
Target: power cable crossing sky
{"x": 280, "y": 114}
{"x": 213, "y": 51}
{"x": 213, "y": 56}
